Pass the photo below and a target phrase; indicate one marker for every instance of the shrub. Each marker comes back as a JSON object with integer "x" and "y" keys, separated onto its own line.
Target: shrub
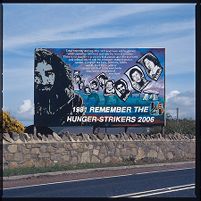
{"x": 182, "y": 126}
{"x": 10, "y": 124}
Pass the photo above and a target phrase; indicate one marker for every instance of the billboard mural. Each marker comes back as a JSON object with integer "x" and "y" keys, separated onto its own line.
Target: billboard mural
{"x": 99, "y": 86}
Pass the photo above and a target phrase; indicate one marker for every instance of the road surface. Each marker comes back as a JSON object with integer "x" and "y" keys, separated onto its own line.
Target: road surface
{"x": 161, "y": 183}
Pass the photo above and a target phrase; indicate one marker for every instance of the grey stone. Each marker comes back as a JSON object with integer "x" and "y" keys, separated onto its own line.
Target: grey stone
{"x": 134, "y": 151}
{"x": 100, "y": 136}
{"x": 140, "y": 154}
{"x": 55, "y": 157}
{"x": 107, "y": 159}
{"x": 161, "y": 155}
{"x": 106, "y": 138}
{"x": 51, "y": 149}
{"x": 50, "y": 137}
{"x": 117, "y": 152}
{"x": 9, "y": 157}
{"x": 12, "y": 165}
{"x": 74, "y": 137}
{"x": 28, "y": 163}
{"x": 44, "y": 138}
{"x": 74, "y": 145}
{"x": 170, "y": 155}
{"x": 67, "y": 146}
{"x": 22, "y": 138}
{"x": 103, "y": 150}
{"x": 36, "y": 145}
{"x": 18, "y": 157}
{"x": 66, "y": 157}
{"x": 119, "y": 146}
{"x": 74, "y": 160}
{"x": 40, "y": 136}
{"x": 110, "y": 145}
{"x": 86, "y": 137}
{"x": 126, "y": 137}
{"x": 15, "y": 136}
{"x": 25, "y": 150}
{"x": 71, "y": 139}
{"x": 43, "y": 148}
{"x": 27, "y": 137}
{"x": 124, "y": 152}
{"x": 91, "y": 146}
{"x": 95, "y": 159}
{"x": 27, "y": 156}
{"x": 7, "y": 137}
{"x": 93, "y": 137}
{"x": 28, "y": 146}
{"x": 117, "y": 136}
{"x": 60, "y": 150}
{"x": 12, "y": 148}
{"x": 35, "y": 137}
{"x": 56, "y": 137}
{"x": 35, "y": 151}
{"x": 114, "y": 159}
{"x": 65, "y": 138}
{"x": 55, "y": 144}
{"x": 95, "y": 152}
{"x": 152, "y": 154}
{"x": 85, "y": 157}
{"x": 44, "y": 155}
{"x": 80, "y": 137}
{"x": 159, "y": 136}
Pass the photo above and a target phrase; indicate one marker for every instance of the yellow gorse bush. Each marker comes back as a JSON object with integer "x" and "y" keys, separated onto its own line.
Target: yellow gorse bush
{"x": 10, "y": 124}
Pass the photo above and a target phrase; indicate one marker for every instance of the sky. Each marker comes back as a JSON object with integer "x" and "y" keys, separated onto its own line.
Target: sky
{"x": 29, "y": 26}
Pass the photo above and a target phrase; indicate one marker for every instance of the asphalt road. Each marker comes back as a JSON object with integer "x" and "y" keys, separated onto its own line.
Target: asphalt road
{"x": 172, "y": 183}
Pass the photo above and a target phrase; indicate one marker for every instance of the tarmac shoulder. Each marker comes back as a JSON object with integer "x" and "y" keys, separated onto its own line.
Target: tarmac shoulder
{"x": 62, "y": 176}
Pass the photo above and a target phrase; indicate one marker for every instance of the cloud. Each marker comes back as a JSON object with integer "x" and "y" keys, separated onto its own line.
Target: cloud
{"x": 156, "y": 86}
{"x": 172, "y": 94}
{"x": 26, "y": 107}
{"x": 185, "y": 101}
{"x": 62, "y": 30}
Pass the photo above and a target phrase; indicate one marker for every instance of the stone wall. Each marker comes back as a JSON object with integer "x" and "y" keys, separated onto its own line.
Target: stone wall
{"x": 41, "y": 151}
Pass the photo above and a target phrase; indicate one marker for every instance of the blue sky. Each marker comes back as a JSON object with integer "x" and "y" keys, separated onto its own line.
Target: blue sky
{"x": 29, "y": 26}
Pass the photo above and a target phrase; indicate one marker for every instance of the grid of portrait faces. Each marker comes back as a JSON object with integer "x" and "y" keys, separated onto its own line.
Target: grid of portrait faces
{"x": 148, "y": 64}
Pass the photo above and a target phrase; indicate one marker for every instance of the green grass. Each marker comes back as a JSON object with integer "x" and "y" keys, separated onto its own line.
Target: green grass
{"x": 57, "y": 167}
{"x": 67, "y": 167}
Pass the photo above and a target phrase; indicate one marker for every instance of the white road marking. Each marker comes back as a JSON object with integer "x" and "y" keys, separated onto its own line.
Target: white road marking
{"x": 89, "y": 179}
{"x": 163, "y": 192}
{"x": 69, "y": 181}
{"x": 157, "y": 191}
{"x": 170, "y": 170}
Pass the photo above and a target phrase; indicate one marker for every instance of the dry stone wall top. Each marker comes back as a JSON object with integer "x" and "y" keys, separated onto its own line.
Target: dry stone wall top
{"x": 47, "y": 150}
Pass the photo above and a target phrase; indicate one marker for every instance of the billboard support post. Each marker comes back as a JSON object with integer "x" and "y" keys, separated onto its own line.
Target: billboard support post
{"x": 94, "y": 128}
{"x": 35, "y": 130}
{"x": 163, "y": 130}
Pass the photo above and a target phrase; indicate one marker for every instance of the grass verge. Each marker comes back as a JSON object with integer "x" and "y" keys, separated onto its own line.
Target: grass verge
{"x": 66, "y": 167}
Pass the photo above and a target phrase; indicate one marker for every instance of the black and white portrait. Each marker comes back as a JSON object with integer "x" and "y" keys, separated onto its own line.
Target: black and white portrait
{"x": 94, "y": 85}
{"x": 77, "y": 79}
{"x": 136, "y": 78}
{"x": 121, "y": 89}
{"x": 87, "y": 90}
{"x": 76, "y": 73}
{"x": 102, "y": 78}
{"x": 54, "y": 94}
{"x": 81, "y": 85}
{"x": 152, "y": 65}
{"x": 109, "y": 88}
